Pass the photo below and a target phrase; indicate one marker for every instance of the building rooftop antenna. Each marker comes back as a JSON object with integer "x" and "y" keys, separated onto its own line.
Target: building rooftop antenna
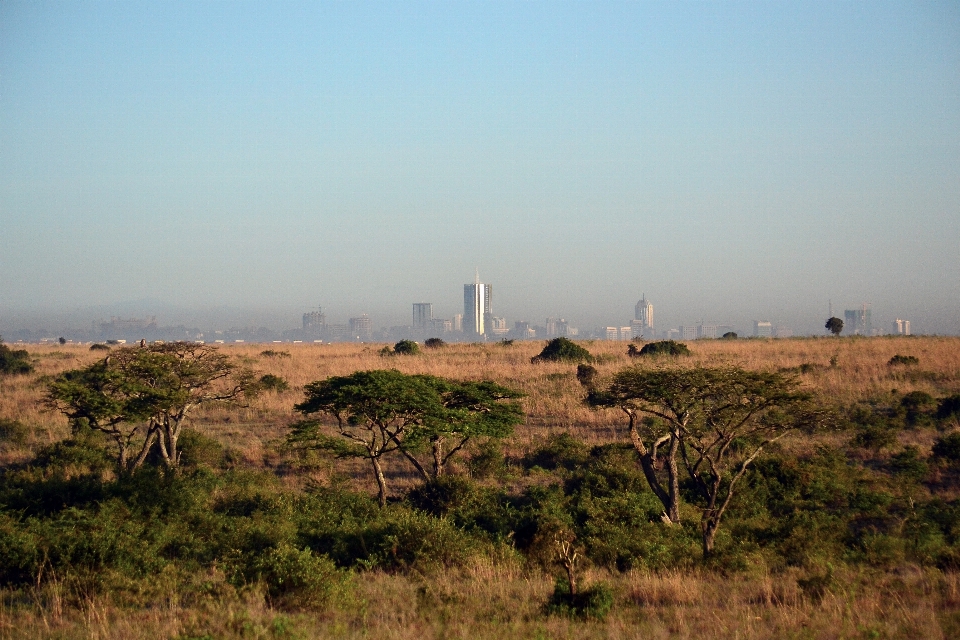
{"x": 477, "y": 278}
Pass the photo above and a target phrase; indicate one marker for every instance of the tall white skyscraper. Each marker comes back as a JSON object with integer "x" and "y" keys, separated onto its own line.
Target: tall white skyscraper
{"x": 644, "y": 313}
{"x": 477, "y": 308}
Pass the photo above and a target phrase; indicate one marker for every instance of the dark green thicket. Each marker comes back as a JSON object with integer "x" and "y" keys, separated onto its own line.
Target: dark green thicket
{"x": 558, "y": 451}
{"x": 406, "y": 347}
{"x": 486, "y": 460}
{"x": 13, "y": 432}
{"x": 14, "y": 361}
{"x": 593, "y": 602}
{"x": 664, "y": 348}
{"x": 903, "y": 360}
{"x": 948, "y": 447}
{"x": 948, "y": 410}
{"x": 918, "y": 408}
{"x": 271, "y": 382}
{"x": 561, "y": 349}
{"x": 587, "y": 375}
{"x": 434, "y": 343}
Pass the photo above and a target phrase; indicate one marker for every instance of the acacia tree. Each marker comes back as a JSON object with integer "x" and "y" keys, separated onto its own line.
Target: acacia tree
{"x": 715, "y": 421}
{"x": 735, "y": 415}
{"x": 103, "y": 398}
{"x": 379, "y": 412}
{"x": 659, "y": 404}
{"x": 374, "y": 411}
{"x": 468, "y": 410}
{"x": 142, "y": 396}
{"x": 188, "y": 375}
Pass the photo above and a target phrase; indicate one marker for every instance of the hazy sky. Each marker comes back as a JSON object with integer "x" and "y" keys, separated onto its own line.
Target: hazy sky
{"x": 733, "y": 161}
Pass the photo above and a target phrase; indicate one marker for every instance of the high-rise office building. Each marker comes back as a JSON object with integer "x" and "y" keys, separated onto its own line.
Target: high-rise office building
{"x": 901, "y": 327}
{"x": 858, "y": 321}
{"x": 762, "y": 329}
{"x": 706, "y": 331}
{"x": 422, "y": 314}
{"x": 314, "y": 320}
{"x": 556, "y": 327}
{"x": 477, "y": 307}
{"x": 643, "y": 312}
{"x": 361, "y": 328}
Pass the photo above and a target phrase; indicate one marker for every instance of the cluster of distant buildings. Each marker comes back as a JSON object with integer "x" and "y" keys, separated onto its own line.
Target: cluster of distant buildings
{"x": 860, "y": 322}
{"x": 476, "y": 323}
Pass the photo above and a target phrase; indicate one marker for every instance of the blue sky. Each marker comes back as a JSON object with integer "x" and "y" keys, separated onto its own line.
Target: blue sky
{"x": 733, "y": 161}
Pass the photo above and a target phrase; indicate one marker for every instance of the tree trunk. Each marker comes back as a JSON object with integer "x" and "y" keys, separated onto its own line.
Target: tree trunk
{"x": 145, "y": 451}
{"x": 416, "y": 464}
{"x": 437, "y": 457}
{"x": 670, "y": 497}
{"x": 572, "y": 579}
{"x": 709, "y": 529}
{"x": 673, "y": 477}
{"x": 122, "y": 456}
{"x": 381, "y": 481}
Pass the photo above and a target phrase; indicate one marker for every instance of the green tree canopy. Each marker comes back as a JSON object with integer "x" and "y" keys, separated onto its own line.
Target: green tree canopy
{"x": 471, "y": 410}
{"x": 834, "y": 325}
{"x": 382, "y": 411}
{"x": 713, "y": 421}
{"x": 142, "y": 396}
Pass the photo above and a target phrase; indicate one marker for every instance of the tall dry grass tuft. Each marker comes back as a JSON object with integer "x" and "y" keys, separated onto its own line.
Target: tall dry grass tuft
{"x": 672, "y": 588}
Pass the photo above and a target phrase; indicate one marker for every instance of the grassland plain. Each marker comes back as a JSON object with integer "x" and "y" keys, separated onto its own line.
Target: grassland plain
{"x": 503, "y": 593}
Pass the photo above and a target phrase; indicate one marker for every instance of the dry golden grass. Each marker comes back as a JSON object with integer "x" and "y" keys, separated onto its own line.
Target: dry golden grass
{"x": 554, "y": 398}
{"x": 500, "y": 600}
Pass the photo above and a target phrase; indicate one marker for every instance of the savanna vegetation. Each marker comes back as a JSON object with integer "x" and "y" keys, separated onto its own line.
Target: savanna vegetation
{"x": 749, "y": 488}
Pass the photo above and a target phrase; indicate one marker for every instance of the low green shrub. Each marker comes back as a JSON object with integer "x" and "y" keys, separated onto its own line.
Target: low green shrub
{"x": 587, "y": 375}
{"x": 918, "y": 408}
{"x": 949, "y": 409}
{"x": 558, "y": 451}
{"x": 664, "y": 348}
{"x": 442, "y": 495}
{"x": 948, "y": 447}
{"x": 14, "y": 361}
{"x": 271, "y": 382}
{"x": 486, "y": 460}
{"x": 903, "y": 360}
{"x": 562, "y": 349}
{"x": 406, "y": 348}
{"x": 593, "y": 602}
{"x": 908, "y": 464}
{"x": 434, "y": 343}
{"x": 198, "y": 449}
{"x": 297, "y": 578}
{"x": 13, "y": 432}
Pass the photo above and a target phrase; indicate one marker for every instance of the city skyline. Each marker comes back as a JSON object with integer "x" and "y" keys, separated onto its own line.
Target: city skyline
{"x": 477, "y": 322}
